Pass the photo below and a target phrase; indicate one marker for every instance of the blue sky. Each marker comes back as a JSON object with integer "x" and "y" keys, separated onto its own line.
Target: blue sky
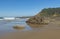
{"x": 25, "y": 7}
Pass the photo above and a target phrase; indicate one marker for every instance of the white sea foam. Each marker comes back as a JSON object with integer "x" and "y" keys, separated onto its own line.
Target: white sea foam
{"x": 9, "y": 18}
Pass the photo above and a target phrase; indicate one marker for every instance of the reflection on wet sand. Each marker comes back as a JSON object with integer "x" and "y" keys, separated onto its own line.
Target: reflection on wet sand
{"x": 36, "y": 25}
{"x": 34, "y": 31}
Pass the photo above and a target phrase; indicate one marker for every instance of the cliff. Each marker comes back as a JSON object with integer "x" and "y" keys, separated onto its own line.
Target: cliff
{"x": 44, "y": 16}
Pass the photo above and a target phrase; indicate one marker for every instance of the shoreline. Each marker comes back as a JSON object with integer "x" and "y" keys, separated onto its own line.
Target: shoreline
{"x": 50, "y": 31}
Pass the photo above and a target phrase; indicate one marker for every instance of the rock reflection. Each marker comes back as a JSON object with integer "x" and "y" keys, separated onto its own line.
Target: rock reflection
{"x": 35, "y": 25}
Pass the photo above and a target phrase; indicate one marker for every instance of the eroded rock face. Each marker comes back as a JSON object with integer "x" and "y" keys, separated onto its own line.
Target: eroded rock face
{"x": 45, "y": 16}
{"x": 38, "y": 20}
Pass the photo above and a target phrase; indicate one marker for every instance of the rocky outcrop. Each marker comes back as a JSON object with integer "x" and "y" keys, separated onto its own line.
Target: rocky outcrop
{"x": 44, "y": 16}
{"x": 38, "y": 20}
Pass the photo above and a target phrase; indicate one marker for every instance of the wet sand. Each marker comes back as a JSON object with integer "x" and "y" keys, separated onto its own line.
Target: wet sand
{"x": 50, "y": 31}
{"x": 47, "y": 34}
{"x": 44, "y": 33}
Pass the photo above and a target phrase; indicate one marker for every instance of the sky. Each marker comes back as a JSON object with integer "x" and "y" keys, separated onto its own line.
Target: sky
{"x": 25, "y": 7}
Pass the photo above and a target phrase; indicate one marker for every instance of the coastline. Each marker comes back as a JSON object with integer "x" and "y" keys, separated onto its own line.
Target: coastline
{"x": 50, "y": 31}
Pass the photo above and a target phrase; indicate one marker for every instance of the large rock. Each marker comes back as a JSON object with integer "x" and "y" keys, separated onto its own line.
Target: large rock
{"x": 38, "y": 20}
{"x": 45, "y": 16}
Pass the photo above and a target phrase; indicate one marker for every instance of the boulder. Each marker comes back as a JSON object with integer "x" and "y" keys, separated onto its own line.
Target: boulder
{"x": 19, "y": 27}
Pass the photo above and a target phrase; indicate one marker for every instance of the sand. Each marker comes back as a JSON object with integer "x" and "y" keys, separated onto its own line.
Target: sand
{"x": 50, "y": 31}
{"x": 47, "y": 34}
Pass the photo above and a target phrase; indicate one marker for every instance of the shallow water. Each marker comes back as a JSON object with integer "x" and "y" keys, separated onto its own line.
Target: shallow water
{"x": 7, "y": 26}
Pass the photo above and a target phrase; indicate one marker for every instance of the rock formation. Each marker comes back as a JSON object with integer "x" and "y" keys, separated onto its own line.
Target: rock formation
{"x": 44, "y": 16}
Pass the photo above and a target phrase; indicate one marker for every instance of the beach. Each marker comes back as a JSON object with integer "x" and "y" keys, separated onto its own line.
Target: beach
{"x": 47, "y": 34}
{"x": 51, "y": 31}
{"x": 29, "y": 19}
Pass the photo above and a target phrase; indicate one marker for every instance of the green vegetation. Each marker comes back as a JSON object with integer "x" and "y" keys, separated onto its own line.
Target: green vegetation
{"x": 44, "y": 16}
{"x": 48, "y": 12}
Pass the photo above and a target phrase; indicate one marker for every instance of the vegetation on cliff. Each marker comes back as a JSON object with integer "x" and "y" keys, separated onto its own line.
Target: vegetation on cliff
{"x": 44, "y": 16}
{"x": 48, "y": 12}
